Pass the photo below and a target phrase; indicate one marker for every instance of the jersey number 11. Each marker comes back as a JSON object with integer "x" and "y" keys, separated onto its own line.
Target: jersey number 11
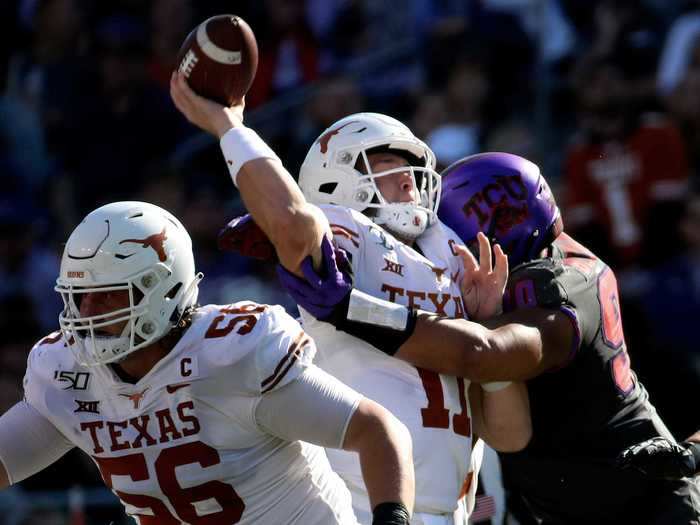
{"x": 435, "y": 415}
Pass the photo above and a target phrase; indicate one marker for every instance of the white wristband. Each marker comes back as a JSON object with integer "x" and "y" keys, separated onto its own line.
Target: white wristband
{"x": 240, "y": 145}
{"x": 495, "y": 386}
{"x": 365, "y": 308}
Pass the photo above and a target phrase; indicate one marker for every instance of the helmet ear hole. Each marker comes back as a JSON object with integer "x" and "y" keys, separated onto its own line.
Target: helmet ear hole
{"x": 138, "y": 295}
{"x": 173, "y": 291}
{"x": 328, "y": 187}
{"x": 361, "y": 165}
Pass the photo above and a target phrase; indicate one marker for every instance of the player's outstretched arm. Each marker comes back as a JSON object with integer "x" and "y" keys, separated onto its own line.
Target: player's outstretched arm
{"x": 515, "y": 346}
{"x": 269, "y": 192}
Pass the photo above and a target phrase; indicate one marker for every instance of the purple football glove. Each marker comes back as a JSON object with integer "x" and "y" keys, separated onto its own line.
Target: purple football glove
{"x": 242, "y": 235}
{"x": 321, "y": 295}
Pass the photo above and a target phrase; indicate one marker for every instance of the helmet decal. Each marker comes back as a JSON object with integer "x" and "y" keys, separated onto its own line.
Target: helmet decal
{"x": 154, "y": 241}
{"x": 505, "y": 197}
{"x": 328, "y": 135}
{"x": 494, "y": 195}
{"x": 505, "y": 216}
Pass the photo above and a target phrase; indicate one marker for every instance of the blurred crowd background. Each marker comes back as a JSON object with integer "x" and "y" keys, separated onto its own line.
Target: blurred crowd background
{"x": 603, "y": 94}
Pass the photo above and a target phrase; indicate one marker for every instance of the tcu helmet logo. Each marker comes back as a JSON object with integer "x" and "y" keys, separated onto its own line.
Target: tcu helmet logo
{"x": 494, "y": 196}
{"x": 154, "y": 241}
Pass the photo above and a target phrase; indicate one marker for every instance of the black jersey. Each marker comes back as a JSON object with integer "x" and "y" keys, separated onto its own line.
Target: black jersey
{"x": 587, "y": 410}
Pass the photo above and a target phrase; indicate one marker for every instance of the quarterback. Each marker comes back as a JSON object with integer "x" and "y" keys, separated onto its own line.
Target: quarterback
{"x": 370, "y": 184}
{"x": 211, "y": 414}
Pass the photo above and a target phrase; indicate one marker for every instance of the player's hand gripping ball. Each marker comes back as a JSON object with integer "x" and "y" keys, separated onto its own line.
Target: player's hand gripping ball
{"x": 219, "y": 58}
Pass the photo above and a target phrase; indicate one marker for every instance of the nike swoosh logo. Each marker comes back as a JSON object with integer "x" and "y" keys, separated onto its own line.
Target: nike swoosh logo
{"x": 174, "y": 388}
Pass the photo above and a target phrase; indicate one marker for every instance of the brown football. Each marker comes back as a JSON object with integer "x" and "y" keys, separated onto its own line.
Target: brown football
{"x": 219, "y": 58}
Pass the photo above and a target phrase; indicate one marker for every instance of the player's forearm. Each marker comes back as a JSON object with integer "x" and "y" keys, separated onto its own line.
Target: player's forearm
{"x": 386, "y": 458}
{"x": 508, "y": 351}
{"x": 466, "y": 349}
{"x": 506, "y": 415}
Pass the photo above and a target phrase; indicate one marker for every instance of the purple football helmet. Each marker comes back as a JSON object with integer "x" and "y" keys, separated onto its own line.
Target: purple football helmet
{"x": 506, "y": 197}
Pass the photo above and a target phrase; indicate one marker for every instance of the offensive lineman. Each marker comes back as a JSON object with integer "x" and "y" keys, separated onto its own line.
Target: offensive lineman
{"x": 192, "y": 414}
{"x": 562, "y": 331}
{"x": 374, "y": 163}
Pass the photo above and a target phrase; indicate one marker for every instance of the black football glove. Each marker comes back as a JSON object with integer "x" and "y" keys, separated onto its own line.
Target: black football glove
{"x": 391, "y": 513}
{"x": 660, "y": 458}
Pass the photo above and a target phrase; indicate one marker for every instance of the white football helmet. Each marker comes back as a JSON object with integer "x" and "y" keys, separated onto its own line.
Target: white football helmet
{"x": 132, "y": 246}
{"x": 329, "y": 174}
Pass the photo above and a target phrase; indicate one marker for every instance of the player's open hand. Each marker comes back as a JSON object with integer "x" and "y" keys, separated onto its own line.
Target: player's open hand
{"x": 483, "y": 283}
{"x": 659, "y": 458}
{"x": 202, "y": 112}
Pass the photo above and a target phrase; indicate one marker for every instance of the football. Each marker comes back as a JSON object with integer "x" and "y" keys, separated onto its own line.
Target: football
{"x": 219, "y": 58}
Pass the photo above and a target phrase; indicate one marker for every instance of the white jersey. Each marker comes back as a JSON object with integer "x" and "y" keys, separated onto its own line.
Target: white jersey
{"x": 434, "y": 407}
{"x": 182, "y": 444}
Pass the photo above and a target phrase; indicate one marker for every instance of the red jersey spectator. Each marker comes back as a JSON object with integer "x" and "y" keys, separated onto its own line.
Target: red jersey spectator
{"x": 620, "y": 166}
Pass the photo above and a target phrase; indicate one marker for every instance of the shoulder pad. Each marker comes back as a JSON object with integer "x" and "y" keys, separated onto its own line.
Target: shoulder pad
{"x": 48, "y": 362}
{"x": 51, "y": 351}
{"x": 257, "y": 347}
{"x": 350, "y": 229}
{"x": 223, "y": 334}
{"x": 345, "y": 223}
{"x": 536, "y": 283}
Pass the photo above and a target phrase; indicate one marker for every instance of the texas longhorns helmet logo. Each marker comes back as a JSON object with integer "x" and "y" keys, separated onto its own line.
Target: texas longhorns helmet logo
{"x": 136, "y": 397}
{"x": 154, "y": 241}
{"x": 324, "y": 139}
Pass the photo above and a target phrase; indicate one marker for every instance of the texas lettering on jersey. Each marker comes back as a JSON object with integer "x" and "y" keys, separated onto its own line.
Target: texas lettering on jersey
{"x": 162, "y": 426}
